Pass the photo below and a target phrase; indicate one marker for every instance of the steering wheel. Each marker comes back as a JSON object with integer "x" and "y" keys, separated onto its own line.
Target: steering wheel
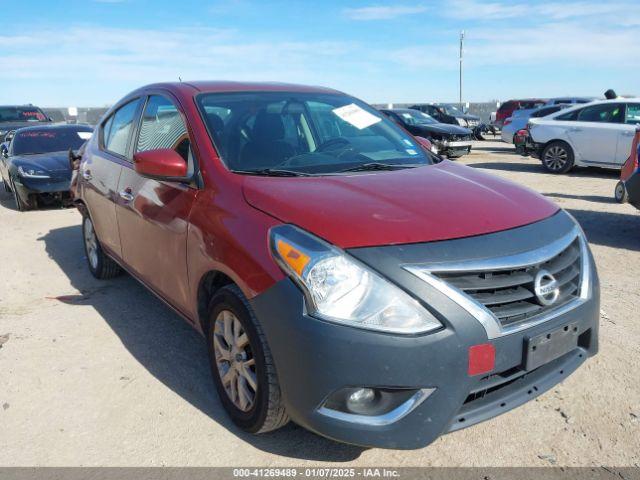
{"x": 332, "y": 144}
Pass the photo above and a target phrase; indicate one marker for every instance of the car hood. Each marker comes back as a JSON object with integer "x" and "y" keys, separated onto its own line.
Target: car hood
{"x": 444, "y": 128}
{"x": 424, "y": 204}
{"x": 50, "y": 162}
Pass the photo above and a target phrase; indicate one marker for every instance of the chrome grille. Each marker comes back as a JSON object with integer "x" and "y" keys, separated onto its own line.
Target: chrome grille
{"x": 510, "y": 293}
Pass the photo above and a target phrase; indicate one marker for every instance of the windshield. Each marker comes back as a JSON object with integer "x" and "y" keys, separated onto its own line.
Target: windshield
{"x": 415, "y": 117}
{"x": 22, "y": 114}
{"x": 451, "y": 110}
{"x": 307, "y": 133}
{"x": 34, "y": 141}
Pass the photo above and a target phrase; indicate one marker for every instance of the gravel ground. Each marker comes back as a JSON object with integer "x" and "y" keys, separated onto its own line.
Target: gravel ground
{"x": 102, "y": 373}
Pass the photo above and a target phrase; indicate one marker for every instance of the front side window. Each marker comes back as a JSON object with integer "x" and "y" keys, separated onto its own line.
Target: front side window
{"x": 307, "y": 133}
{"x": 603, "y": 113}
{"x": 117, "y": 129}
{"x": 163, "y": 127}
{"x": 632, "y": 116}
{"x": 33, "y": 141}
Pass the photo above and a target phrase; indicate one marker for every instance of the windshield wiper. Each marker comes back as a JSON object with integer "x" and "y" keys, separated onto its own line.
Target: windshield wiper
{"x": 273, "y": 172}
{"x": 367, "y": 167}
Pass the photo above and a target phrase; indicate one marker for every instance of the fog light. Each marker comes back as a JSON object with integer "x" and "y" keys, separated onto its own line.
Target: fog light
{"x": 360, "y": 400}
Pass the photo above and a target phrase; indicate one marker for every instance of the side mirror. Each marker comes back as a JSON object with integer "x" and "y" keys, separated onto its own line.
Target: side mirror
{"x": 161, "y": 164}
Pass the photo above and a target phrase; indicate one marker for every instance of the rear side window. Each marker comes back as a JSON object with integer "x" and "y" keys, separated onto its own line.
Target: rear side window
{"x": 569, "y": 115}
{"x": 633, "y": 114}
{"x": 117, "y": 129}
{"x": 163, "y": 127}
{"x": 543, "y": 112}
{"x": 603, "y": 113}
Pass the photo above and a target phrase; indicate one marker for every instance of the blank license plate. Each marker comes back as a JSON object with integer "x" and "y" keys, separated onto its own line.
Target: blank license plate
{"x": 544, "y": 348}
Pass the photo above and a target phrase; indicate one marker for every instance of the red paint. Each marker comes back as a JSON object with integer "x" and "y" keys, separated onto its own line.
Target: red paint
{"x": 163, "y": 162}
{"x": 425, "y": 204}
{"x": 482, "y": 359}
{"x": 171, "y": 234}
{"x": 508, "y": 107}
{"x": 633, "y": 162}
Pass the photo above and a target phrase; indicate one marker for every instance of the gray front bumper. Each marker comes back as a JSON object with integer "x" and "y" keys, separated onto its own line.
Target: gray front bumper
{"x": 315, "y": 358}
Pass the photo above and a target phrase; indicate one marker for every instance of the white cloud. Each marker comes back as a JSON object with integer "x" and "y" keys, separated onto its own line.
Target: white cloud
{"x": 382, "y": 12}
{"x": 534, "y": 11}
{"x": 120, "y": 59}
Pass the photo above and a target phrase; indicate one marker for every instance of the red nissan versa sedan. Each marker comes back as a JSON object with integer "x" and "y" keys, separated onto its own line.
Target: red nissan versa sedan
{"x": 342, "y": 278}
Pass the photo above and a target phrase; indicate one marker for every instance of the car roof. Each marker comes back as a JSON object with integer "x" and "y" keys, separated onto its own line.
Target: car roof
{"x": 222, "y": 86}
{"x": 19, "y": 106}
{"x": 580, "y": 106}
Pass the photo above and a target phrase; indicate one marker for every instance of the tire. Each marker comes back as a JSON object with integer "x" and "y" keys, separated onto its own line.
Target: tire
{"x": 20, "y": 205}
{"x": 557, "y": 157}
{"x": 100, "y": 264}
{"x": 245, "y": 362}
{"x": 621, "y": 194}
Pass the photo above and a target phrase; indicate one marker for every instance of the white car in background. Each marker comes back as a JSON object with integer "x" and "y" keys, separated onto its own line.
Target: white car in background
{"x": 597, "y": 134}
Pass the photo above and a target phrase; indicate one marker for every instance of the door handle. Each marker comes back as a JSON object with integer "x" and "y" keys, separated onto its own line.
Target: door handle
{"x": 628, "y": 134}
{"x": 86, "y": 174}
{"x": 126, "y": 195}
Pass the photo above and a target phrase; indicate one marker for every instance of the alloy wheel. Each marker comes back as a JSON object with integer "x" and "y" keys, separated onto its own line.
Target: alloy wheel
{"x": 235, "y": 361}
{"x": 91, "y": 243}
{"x": 555, "y": 158}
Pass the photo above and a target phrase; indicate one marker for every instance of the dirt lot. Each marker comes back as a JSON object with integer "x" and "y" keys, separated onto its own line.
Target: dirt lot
{"x": 102, "y": 373}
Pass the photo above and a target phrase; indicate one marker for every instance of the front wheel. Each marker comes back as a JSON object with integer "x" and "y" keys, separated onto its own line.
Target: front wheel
{"x": 100, "y": 264}
{"x": 20, "y": 205}
{"x": 557, "y": 157}
{"x": 241, "y": 364}
{"x": 621, "y": 193}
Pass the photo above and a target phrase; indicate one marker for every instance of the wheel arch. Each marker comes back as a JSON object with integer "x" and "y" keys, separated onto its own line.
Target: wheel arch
{"x": 209, "y": 284}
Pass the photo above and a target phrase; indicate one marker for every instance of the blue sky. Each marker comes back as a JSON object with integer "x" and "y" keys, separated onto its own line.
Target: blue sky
{"x": 92, "y": 52}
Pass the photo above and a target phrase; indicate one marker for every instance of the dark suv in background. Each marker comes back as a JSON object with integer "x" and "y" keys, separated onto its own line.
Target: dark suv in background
{"x": 445, "y": 113}
{"x": 13, "y": 117}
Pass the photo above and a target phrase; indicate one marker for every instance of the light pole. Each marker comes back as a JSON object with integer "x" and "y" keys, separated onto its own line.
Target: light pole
{"x": 461, "y": 51}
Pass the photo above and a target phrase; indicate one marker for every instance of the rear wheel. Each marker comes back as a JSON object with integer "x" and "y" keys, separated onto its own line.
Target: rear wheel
{"x": 621, "y": 193}
{"x": 557, "y": 157}
{"x": 241, "y": 364}
{"x": 100, "y": 264}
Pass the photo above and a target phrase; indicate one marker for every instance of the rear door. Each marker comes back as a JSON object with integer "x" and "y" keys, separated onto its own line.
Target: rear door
{"x": 594, "y": 134}
{"x": 153, "y": 216}
{"x": 101, "y": 169}
{"x": 627, "y": 132}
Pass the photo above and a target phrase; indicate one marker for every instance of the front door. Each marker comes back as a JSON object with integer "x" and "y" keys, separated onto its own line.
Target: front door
{"x": 628, "y": 132}
{"x": 594, "y": 135}
{"x": 153, "y": 216}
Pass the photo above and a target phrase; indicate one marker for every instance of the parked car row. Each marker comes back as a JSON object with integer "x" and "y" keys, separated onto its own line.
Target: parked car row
{"x": 311, "y": 239}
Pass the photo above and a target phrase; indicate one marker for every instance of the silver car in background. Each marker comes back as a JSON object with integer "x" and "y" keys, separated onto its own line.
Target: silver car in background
{"x": 519, "y": 119}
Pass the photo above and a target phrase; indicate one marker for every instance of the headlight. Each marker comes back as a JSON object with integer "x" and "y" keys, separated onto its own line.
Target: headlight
{"x": 462, "y": 122}
{"x": 339, "y": 289}
{"x": 29, "y": 172}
